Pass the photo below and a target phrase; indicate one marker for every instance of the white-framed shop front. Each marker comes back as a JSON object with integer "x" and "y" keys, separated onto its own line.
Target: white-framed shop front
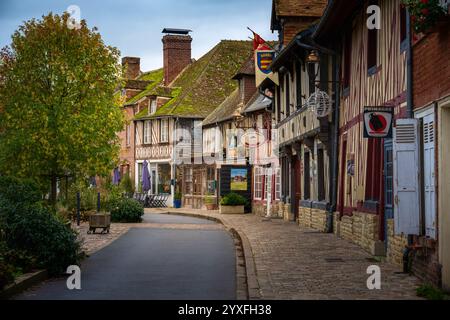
{"x": 161, "y": 177}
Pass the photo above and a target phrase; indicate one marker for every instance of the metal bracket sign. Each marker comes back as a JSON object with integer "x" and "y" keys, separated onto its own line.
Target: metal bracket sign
{"x": 378, "y": 122}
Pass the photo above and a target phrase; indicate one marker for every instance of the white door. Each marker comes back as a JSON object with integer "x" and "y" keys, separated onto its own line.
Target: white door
{"x": 406, "y": 177}
{"x": 429, "y": 175}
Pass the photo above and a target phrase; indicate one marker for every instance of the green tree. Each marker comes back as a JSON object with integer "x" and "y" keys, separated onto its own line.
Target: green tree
{"x": 59, "y": 115}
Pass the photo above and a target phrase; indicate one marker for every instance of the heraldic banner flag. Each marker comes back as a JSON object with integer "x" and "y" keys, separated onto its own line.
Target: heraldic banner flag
{"x": 264, "y": 56}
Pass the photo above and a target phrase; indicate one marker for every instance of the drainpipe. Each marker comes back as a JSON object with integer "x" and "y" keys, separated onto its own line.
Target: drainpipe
{"x": 409, "y": 68}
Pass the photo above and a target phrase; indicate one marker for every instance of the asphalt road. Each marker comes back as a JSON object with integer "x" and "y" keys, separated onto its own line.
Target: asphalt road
{"x": 154, "y": 264}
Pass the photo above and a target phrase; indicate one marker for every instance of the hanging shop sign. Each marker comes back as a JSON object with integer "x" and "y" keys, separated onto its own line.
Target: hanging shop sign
{"x": 263, "y": 60}
{"x": 378, "y": 122}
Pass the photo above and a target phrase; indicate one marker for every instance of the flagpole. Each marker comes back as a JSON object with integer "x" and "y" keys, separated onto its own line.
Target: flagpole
{"x": 268, "y": 44}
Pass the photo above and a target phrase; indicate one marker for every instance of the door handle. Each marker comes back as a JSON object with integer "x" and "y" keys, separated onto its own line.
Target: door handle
{"x": 396, "y": 200}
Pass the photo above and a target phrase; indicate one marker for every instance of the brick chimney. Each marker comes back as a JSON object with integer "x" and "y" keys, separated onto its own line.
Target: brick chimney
{"x": 133, "y": 67}
{"x": 177, "y": 52}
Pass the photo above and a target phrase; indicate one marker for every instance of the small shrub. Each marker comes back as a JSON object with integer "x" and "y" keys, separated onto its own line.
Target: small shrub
{"x": 127, "y": 184}
{"x": 178, "y": 196}
{"x": 233, "y": 199}
{"x": 126, "y": 210}
{"x": 38, "y": 231}
{"x": 210, "y": 199}
{"x": 429, "y": 292}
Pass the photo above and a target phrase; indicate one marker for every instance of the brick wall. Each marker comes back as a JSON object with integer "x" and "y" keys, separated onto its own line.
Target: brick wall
{"x": 177, "y": 55}
{"x": 249, "y": 87}
{"x": 294, "y": 25}
{"x": 431, "y": 66}
{"x": 127, "y": 152}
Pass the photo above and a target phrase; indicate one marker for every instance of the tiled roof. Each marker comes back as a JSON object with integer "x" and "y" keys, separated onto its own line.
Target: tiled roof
{"x": 226, "y": 109}
{"x": 248, "y": 68}
{"x": 207, "y": 82}
{"x": 299, "y": 8}
{"x": 153, "y": 79}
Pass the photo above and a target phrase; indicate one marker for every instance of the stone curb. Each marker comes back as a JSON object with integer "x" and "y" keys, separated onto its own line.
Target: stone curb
{"x": 23, "y": 283}
{"x": 250, "y": 283}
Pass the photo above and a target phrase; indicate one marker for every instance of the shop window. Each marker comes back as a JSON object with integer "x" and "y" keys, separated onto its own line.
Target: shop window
{"x": 163, "y": 178}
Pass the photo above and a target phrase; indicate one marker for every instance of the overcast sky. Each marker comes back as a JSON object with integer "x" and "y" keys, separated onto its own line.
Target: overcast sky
{"x": 135, "y": 26}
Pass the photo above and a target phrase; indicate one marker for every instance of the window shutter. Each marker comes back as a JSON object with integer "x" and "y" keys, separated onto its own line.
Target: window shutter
{"x": 406, "y": 177}
{"x": 429, "y": 175}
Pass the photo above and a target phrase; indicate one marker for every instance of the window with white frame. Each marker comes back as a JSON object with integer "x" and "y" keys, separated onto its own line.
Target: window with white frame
{"x": 147, "y": 132}
{"x": 164, "y": 130}
{"x": 152, "y": 107}
{"x": 278, "y": 184}
{"x": 128, "y": 133}
{"x": 259, "y": 180}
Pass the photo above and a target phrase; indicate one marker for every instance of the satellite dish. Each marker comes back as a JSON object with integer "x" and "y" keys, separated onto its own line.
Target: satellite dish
{"x": 320, "y": 103}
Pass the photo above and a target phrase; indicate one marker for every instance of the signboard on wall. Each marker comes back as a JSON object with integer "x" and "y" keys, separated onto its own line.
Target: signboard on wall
{"x": 263, "y": 60}
{"x": 238, "y": 180}
{"x": 378, "y": 122}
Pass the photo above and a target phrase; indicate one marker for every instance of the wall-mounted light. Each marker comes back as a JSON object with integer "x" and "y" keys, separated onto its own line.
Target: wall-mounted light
{"x": 313, "y": 58}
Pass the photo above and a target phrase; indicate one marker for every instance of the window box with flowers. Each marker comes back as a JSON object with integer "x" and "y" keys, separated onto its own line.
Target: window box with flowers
{"x": 425, "y": 14}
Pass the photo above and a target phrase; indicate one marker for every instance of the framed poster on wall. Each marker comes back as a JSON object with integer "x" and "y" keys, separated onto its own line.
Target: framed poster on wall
{"x": 239, "y": 179}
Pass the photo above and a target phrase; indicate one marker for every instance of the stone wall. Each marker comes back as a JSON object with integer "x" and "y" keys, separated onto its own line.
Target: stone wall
{"x": 425, "y": 264}
{"x": 361, "y": 229}
{"x": 313, "y": 218}
{"x": 260, "y": 209}
{"x": 396, "y": 245}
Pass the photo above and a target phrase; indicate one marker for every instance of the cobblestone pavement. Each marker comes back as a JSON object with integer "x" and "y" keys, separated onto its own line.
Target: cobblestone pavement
{"x": 298, "y": 263}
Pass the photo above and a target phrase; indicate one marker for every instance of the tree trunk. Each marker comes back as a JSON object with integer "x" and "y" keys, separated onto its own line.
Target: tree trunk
{"x": 53, "y": 190}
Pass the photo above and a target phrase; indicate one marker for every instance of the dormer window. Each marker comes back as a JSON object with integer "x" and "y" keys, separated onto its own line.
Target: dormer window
{"x": 152, "y": 107}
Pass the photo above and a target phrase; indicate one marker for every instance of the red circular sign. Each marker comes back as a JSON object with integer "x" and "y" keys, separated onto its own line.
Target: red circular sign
{"x": 377, "y": 122}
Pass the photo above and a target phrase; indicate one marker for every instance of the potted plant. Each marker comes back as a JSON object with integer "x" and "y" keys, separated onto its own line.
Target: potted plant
{"x": 233, "y": 203}
{"x": 210, "y": 202}
{"x": 177, "y": 200}
{"x": 425, "y": 14}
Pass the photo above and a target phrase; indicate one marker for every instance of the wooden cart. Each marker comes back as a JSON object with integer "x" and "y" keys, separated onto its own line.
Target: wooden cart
{"x": 99, "y": 221}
